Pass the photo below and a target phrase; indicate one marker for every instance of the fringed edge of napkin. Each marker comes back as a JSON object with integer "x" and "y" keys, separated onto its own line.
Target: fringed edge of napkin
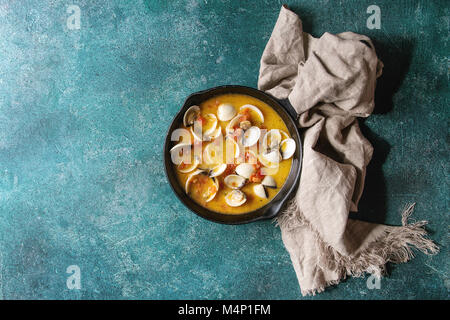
{"x": 393, "y": 245}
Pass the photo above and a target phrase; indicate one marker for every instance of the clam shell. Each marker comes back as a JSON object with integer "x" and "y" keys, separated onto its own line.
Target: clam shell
{"x": 215, "y": 134}
{"x": 191, "y": 115}
{"x": 209, "y": 134}
{"x": 235, "y": 198}
{"x": 188, "y": 180}
{"x": 197, "y": 135}
{"x": 284, "y": 134}
{"x": 273, "y": 156}
{"x": 269, "y": 182}
{"x": 266, "y": 171}
{"x": 211, "y": 117}
{"x": 226, "y": 112}
{"x": 234, "y": 181}
{"x": 233, "y": 123}
{"x": 270, "y": 159}
{"x": 287, "y": 148}
{"x": 260, "y": 191}
{"x": 213, "y": 180}
{"x": 216, "y": 183}
{"x": 218, "y": 170}
{"x": 251, "y": 136}
{"x": 235, "y": 145}
{"x": 272, "y": 139}
{"x": 255, "y": 109}
{"x": 245, "y": 170}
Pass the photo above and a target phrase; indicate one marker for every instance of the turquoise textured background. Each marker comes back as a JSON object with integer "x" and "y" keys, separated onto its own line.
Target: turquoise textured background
{"x": 83, "y": 115}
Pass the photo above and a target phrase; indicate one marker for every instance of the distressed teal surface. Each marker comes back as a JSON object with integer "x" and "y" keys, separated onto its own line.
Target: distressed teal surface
{"x": 83, "y": 115}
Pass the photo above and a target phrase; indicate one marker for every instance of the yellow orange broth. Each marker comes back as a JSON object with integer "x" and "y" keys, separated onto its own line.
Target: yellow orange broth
{"x": 271, "y": 121}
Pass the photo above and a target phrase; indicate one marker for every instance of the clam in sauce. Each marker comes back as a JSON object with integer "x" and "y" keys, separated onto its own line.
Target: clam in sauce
{"x": 239, "y": 153}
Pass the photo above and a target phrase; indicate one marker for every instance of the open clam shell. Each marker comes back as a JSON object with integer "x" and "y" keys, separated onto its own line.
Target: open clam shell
{"x": 235, "y": 198}
{"x": 272, "y": 139}
{"x": 234, "y": 151}
{"x": 218, "y": 170}
{"x": 270, "y": 159}
{"x": 255, "y": 109}
{"x": 191, "y": 115}
{"x": 189, "y": 179}
{"x": 233, "y": 124}
{"x": 251, "y": 136}
{"x": 226, "y": 112}
{"x": 245, "y": 170}
{"x": 215, "y": 134}
{"x": 284, "y": 134}
{"x": 260, "y": 191}
{"x": 234, "y": 181}
{"x": 269, "y": 182}
{"x": 210, "y": 190}
{"x": 205, "y": 131}
{"x": 287, "y": 148}
{"x": 211, "y": 121}
{"x": 213, "y": 193}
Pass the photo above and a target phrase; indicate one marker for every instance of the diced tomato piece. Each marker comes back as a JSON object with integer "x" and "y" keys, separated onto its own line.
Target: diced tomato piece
{"x": 245, "y": 115}
{"x": 230, "y": 169}
{"x": 257, "y": 176}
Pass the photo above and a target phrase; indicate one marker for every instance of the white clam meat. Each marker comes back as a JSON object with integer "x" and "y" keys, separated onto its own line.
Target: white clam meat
{"x": 234, "y": 181}
{"x": 260, "y": 191}
{"x": 191, "y": 115}
{"x": 251, "y": 136}
{"x": 235, "y": 198}
{"x": 226, "y": 112}
{"x": 269, "y": 182}
{"x": 245, "y": 170}
{"x": 287, "y": 148}
{"x": 255, "y": 109}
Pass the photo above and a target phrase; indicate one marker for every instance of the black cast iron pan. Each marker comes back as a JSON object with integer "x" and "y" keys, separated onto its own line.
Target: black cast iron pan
{"x": 271, "y": 209}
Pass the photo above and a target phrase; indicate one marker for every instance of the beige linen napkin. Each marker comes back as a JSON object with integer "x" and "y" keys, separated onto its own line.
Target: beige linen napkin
{"x": 330, "y": 81}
